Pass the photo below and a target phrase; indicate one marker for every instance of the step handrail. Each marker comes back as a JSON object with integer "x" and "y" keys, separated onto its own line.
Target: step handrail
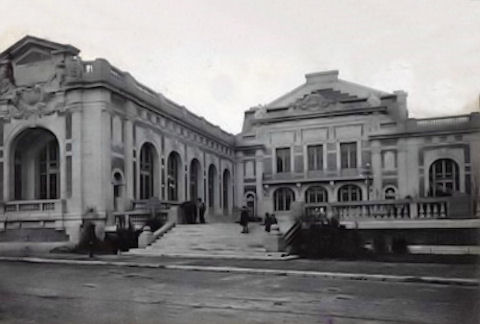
{"x": 162, "y": 230}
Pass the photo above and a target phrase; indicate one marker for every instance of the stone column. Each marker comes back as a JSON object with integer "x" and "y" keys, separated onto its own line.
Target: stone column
{"x": 376, "y": 170}
{"x": 239, "y": 179}
{"x": 76, "y": 201}
{"x": 259, "y": 183}
{"x": 128, "y": 147}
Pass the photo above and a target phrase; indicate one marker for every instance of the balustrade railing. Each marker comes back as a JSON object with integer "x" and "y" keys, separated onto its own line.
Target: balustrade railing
{"x": 404, "y": 209}
{"x": 27, "y": 206}
{"x": 142, "y": 211}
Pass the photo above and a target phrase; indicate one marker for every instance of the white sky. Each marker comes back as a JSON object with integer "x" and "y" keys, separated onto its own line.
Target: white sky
{"x": 220, "y": 57}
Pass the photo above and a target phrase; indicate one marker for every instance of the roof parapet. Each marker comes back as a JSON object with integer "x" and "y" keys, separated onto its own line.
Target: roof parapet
{"x": 325, "y": 76}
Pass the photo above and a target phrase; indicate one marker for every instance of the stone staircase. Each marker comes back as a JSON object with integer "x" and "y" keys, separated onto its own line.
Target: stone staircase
{"x": 214, "y": 240}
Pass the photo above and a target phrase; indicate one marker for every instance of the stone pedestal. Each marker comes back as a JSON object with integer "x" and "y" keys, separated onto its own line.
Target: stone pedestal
{"x": 274, "y": 242}
{"x": 145, "y": 237}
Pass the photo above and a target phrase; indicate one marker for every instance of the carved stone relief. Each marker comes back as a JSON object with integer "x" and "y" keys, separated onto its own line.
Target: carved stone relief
{"x": 312, "y": 101}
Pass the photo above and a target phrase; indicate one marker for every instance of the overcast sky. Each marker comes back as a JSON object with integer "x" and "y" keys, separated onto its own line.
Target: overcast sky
{"x": 220, "y": 57}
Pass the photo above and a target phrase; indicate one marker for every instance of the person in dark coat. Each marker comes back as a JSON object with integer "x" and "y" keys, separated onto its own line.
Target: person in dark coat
{"x": 268, "y": 222}
{"x": 201, "y": 210}
{"x": 244, "y": 219}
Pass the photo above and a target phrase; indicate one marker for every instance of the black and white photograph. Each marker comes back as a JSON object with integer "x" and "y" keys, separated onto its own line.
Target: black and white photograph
{"x": 239, "y": 161}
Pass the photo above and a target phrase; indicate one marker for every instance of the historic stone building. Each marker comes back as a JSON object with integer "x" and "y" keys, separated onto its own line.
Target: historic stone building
{"x": 81, "y": 138}
{"x": 353, "y": 151}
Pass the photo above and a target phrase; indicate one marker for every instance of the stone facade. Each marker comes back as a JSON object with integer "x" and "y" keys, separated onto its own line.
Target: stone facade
{"x": 83, "y": 139}
{"x": 343, "y": 142}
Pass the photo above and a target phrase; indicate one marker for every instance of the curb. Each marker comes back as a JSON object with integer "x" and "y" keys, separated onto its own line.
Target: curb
{"x": 213, "y": 256}
{"x": 275, "y": 272}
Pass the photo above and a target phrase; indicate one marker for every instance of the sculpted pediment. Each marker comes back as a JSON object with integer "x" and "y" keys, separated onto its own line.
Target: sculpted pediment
{"x": 31, "y": 72}
{"x": 312, "y": 101}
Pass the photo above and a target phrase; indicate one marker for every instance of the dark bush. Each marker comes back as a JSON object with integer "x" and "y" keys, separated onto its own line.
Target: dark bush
{"x": 399, "y": 245}
{"x": 332, "y": 240}
{"x": 380, "y": 244}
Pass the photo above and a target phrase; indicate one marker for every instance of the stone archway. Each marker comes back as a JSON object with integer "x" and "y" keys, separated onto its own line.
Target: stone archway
{"x": 195, "y": 180}
{"x": 35, "y": 165}
{"x": 174, "y": 175}
{"x": 226, "y": 197}
{"x": 212, "y": 189}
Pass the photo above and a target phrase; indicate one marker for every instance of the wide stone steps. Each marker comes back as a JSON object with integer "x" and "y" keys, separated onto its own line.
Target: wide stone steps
{"x": 222, "y": 240}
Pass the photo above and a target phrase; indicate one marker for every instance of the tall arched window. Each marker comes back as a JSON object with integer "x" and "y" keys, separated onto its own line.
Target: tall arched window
{"x": 212, "y": 184}
{"x": 147, "y": 171}
{"x": 195, "y": 179}
{"x": 173, "y": 170}
{"x": 444, "y": 177}
{"x": 282, "y": 199}
{"x": 349, "y": 192}
{"x": 316, "y": 194}
{"x": 226, "y": 190}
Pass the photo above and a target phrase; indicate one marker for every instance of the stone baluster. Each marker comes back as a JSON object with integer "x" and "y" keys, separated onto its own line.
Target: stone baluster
{"x": 436, "y": 213}
{"x": 443, "y": 213}
{"x": 364, "y": 211}
{"x": 421, "y": 210}
{"x": 399, "y": 211}
{"x": 428, "y": 210}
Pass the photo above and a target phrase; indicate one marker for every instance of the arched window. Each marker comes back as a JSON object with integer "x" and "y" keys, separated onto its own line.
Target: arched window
{"x": 390, "y": 193}
{"x": 212, "y": 184}
{"x": 173, "y": 171}
{"x": 195, "y": 179}
{"x": 226, "y": 190}
{"x": 35, "y": 165}
{"x": 349, "y": 193}
{"x": 282, "y": 199}
{"x": 146, "y": 171}
{"x": 444, "y": 177}
{"x": 316, "y": 194}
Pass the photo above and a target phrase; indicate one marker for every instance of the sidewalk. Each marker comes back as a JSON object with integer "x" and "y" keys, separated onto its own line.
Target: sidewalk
{"x": 456, "y": 274}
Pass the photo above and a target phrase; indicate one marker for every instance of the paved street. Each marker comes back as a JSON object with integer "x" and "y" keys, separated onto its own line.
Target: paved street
{"x": 48, "y": 293}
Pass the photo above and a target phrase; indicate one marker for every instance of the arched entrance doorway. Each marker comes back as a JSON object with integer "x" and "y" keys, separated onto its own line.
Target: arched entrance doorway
{"x": 35, "y": 165}
{"x": 148, "y": 158}
{"x": 226, "y": 191}
{"x": 195, "y": 180}
{"x": 174, "y": 165}
{"x": 212, "y": 188}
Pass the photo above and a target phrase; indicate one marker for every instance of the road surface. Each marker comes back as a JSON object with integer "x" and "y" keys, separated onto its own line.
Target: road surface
{"x": 50, "y": 294}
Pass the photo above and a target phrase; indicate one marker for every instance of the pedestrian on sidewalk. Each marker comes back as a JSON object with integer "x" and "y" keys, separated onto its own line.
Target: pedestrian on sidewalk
{"x": 244, "y": 219}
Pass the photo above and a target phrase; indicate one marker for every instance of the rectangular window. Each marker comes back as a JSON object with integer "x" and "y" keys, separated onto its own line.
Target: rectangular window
{"x": 315, "y": 157}
{"x": 283, "y": 160}
{"x": 348, "y": 155}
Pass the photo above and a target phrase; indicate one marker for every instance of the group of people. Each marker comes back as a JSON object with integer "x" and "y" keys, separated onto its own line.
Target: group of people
{"x": 194, "y": 210}
{"x": 270, "y": 220}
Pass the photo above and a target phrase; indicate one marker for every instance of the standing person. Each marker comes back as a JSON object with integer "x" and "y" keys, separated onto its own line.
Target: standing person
{"x": 244, "y": 219}
{"x": 201, "y": 210}
{"x": 268, "y": 222}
